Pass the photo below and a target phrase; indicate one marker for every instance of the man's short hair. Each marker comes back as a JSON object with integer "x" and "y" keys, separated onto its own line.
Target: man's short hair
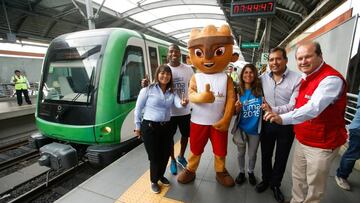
{"x": 16, "y": 71}
{"x": 175, "y": 46}
{"x": 279, "y": 49}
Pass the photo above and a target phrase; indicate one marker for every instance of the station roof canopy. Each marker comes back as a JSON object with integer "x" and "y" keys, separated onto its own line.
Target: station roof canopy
{"x": 171, "y": 20}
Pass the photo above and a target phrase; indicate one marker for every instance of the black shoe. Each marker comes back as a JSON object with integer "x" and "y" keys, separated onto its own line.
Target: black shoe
{"x": 261, "y": 187}
{"x": 164, "y": 181}
{"x": 278, "y": 195}
{"x": 155, "y": 188}
{"x": 252, "y": 179}
{"x": 240, "y": 178}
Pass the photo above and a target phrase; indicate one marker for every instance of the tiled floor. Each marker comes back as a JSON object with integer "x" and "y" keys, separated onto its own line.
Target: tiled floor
{"x": 110, "y": 184}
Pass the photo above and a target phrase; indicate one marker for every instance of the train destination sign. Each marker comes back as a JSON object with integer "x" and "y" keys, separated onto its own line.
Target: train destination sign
{"x": 253, "y": 8}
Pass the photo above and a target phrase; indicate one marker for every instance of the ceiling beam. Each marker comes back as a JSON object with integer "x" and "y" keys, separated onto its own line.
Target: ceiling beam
{"x": 36, "y": 14}
{"x": 302, "y": 5}
{"x": 324, "y": 7}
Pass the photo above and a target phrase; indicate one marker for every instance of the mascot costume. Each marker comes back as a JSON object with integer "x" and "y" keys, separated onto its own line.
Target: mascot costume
{"x": 211, "y": 93}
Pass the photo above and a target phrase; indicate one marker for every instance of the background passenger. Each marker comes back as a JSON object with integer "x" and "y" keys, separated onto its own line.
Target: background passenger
{"x": 247, "y": 126}
{"x": 155, "y": 102}
{"x": 352, "y": 153}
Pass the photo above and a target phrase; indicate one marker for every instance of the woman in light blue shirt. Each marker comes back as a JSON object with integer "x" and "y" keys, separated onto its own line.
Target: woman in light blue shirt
{"x": 247, "y": 126}
{"x": 155, "y": 102}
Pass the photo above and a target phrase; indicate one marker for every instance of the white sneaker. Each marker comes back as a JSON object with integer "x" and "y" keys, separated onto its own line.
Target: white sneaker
{"x": 342, "y": 183}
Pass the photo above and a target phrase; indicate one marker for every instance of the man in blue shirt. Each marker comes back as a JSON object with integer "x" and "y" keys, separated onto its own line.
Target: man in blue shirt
{"x": 352, "y": 153}
{"x": 281, "y": 86}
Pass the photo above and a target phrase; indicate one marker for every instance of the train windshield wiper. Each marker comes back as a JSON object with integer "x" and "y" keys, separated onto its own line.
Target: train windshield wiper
{"x": 90, "y": 87}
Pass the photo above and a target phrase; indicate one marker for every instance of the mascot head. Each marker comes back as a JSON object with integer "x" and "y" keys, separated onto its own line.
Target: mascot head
{"x": 211, "y": 49}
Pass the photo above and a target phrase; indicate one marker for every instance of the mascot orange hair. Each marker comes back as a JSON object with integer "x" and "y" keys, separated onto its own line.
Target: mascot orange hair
{"x": 211, "y": 93}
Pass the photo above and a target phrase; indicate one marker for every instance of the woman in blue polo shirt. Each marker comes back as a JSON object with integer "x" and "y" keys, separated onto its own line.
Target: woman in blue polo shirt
{"x": 155, "y": 102}
{"x": 247, "y": 126}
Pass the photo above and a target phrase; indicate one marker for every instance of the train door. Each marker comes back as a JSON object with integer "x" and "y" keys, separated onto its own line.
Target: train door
{"x": 135, "y": 67}
{"x": 153, "y": 58}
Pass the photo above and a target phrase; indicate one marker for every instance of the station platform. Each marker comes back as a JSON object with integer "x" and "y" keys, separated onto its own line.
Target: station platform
{"x": 127, "y": 180}
{"x": 10, "y": 109}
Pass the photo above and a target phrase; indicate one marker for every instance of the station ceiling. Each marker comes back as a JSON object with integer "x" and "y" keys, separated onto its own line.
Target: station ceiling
{"x": 172, "y": 20}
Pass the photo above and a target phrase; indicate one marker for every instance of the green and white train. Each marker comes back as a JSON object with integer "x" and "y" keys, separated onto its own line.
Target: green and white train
{"x": 89, "y": 85}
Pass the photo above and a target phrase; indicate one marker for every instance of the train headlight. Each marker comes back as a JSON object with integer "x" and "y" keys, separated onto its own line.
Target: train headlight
{"x": 105, "y": 130}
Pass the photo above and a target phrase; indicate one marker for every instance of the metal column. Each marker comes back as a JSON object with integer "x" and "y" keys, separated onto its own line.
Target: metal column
{"x": 90, "y": 14}
{"x": 267, "y": 35}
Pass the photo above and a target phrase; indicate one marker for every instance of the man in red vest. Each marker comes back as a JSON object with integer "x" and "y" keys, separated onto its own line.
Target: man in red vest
{"x": 319, "y": 123}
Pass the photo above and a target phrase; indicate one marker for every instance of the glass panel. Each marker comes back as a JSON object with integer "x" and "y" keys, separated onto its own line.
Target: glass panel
{"x": 71, "y": 73}
{"x": 132, "y": 72}
{"x": 157, "y": 13}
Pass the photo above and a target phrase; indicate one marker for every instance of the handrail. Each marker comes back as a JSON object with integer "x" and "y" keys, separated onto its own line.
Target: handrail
{"x": 351, "y": 106}
{"x": 8, "y": 89}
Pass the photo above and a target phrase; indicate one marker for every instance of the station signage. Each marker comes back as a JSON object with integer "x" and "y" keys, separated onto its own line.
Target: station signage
{"x": 249, "y": 45}
{"x": 253, "y": 8}
{"x": 264, "y": 58}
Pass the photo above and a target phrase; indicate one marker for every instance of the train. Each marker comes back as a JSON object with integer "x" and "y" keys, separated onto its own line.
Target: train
{"x": 89, "y": 84}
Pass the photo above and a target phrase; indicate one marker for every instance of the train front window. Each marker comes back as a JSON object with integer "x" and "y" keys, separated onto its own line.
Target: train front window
{"x": 71, "y": 74}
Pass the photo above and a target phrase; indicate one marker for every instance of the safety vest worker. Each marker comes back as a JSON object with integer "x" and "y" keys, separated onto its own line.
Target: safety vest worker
{"x": 21, "y": 86}
{"x": 20, "y": 82}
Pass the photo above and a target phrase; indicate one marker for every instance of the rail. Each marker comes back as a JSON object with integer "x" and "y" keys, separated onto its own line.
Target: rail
{"x": 8, "y": 89}
{"x": 350, "y": 106}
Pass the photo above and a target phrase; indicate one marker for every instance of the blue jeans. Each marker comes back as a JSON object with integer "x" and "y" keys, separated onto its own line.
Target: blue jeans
{"x": 351, "y": 155}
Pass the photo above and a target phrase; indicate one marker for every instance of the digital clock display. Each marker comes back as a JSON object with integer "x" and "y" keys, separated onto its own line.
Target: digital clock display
{"x": 253, "y": 8}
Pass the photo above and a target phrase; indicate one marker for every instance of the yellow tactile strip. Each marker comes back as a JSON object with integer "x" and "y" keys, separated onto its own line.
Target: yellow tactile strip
{"x": 140, "y": 191}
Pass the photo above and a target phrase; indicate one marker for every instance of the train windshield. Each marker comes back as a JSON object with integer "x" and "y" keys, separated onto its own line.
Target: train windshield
{"x": 71, "y": 74}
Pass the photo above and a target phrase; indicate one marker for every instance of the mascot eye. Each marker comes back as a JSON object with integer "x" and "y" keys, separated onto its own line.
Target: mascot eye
{"x": 219, "y": 51}
{"x": 198, "y": 53}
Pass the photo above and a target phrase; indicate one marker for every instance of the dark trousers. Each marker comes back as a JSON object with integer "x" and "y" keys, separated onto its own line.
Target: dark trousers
{"x": 351, "y": 155}
{"x": 19, "y": 96}
{"x": 158, "y": 142}
{"x": 283, "y": 137}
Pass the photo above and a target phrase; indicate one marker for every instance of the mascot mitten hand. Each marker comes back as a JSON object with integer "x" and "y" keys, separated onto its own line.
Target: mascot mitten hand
{"x": 204, "y": 97}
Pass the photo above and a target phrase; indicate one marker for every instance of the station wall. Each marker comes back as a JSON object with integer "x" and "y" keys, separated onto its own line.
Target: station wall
{"x": 31, "y": 67}
{"x": 336, "y": 45}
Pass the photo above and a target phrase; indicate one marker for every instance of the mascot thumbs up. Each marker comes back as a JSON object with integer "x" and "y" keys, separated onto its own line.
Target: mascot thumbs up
{"x": 211, "y": 93}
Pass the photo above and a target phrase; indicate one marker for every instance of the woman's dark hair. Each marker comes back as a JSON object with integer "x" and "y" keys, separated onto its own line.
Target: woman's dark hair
{"x": 167, "y": 69}
{"x": 256, "y": 88}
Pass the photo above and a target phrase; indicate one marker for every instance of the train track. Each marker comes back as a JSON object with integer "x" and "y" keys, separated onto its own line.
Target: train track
{"x": 16, "y": 160}
{"x": 49, "y": 185}
{"x": 15, "y": 130}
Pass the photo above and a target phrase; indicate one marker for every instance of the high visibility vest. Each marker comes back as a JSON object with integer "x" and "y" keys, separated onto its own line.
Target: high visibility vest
{"x": 21, "y": 82}
{"x": 234, "y": 77}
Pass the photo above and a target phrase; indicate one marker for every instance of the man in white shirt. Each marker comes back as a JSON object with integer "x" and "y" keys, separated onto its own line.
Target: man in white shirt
{"x": 182, "y": 74}
{"x": 319, "y": 123}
